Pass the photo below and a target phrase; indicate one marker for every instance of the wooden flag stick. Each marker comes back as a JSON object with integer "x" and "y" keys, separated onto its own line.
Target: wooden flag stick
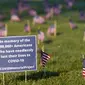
{"x": 84, "y": 36}
{"x": 15, "y": 79}
{"x": 43, "y": 67}
{"x": 38, "y": 39}
{"x": 52, "y": 13}
{"x": 3, "y": 79}
{"x": 33, "y": 23}
{"x": 25, "y": 76}
{"x": 28, "y": 22}
{"x": 43, "y": 48}
{"x": 44, "y": 72}
{"x": 55, "y": 24}
{"x": 6, "y": 29}
{"x": 6, "y": 25}
{"x": 38, "y": 42}
{"x": 54, "y": 58}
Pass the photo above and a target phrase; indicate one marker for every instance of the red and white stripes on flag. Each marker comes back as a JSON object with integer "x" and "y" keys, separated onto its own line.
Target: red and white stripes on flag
{"x": 44, "y": 58}
{"x": 83, "y": 72}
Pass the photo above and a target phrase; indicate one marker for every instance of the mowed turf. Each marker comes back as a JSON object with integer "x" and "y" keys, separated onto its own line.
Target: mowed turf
{"x": 66, "y": 49}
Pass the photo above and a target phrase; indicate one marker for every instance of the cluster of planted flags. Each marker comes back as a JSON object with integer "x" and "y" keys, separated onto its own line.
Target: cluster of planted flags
{"x": 37, "y": 19}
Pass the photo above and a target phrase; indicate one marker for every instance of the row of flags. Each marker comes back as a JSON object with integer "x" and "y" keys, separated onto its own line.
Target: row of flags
{"x": 51, "y": 31}
{"x": 40, "y": 19}
{"x": 50, "y": 11}
{"x": 44, "y": 56}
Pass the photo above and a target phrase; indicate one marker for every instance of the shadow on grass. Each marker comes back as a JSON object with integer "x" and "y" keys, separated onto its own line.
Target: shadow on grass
{"x": 53, "y": 62}
{"x": 48, "y": 41}
{"x": 39, "y": 75}
{"x": 59, "y": 33}
{"x": 81, "y": 21}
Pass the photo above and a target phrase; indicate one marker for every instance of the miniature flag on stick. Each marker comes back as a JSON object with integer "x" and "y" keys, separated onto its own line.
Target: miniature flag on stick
{"x": 14, "y": 15}
{"x": 49, "y": 14}
{"x": 72, "y": 24}
{"x": 40, "y": 36}
{"x": 27, "y": 27}
{"x": 42, "y": 49}
{"x": 83, "y": 72}
{"x": 84, "y": 36}
{"x": 44, "y": 58}
{"x": 28, "y": 22}
{"x": 82, "y": 16}
{"x": 32, "y": 12}
{"x": 52, "y": 30}
{"x": 38, "y": 20}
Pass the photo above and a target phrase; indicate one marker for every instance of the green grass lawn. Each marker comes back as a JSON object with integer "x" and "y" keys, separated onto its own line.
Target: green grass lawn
{"x": 66, "y": 49}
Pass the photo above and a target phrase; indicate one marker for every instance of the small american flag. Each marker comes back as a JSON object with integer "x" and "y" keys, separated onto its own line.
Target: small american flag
{"x": 32, "y": 12}
{"x": 14, "y": 11}
{"x": 47, "y": 9}
{"x": 82, "y": 15}
{"x": 84, "y": 36}
{"x": 72, "y": 24}
{"x": 44, "y": 58}
{"x": 27, "y": 28}
{"x": 41, "y": 36}
{"x": 2, "y": 16}
{"x": 57, "y": 9}
{"x": 15, "y": 18}
{"x": 38, "y": 20}
{"x": 69, "y": 3}
{"x": 83, "y": 72}
{"x": 23, "y": 7}
{"x": 51, "y": 30}
{"x": 49, "y": 14}
{"x": 46, "y": 6}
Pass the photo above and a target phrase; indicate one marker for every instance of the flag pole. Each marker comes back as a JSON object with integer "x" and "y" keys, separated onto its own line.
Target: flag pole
{"x": 43, "y": 49}
{"x": 55, "y": 24}
{"x": 38, "y": 40}
{"x": 52, "y": 13}
{"x": 54, "y": 59}
{"x": 84, "y": 36}
{"x": 25, "y": 77}
{"x": 33, "y": 23}
{"x": 6, "y": 29}
{"x": 3, "y": 79}
{"x": 29, "y": 25}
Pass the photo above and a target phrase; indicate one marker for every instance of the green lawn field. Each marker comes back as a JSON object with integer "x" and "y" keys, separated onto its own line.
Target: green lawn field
{"x": 66, "y": 49}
